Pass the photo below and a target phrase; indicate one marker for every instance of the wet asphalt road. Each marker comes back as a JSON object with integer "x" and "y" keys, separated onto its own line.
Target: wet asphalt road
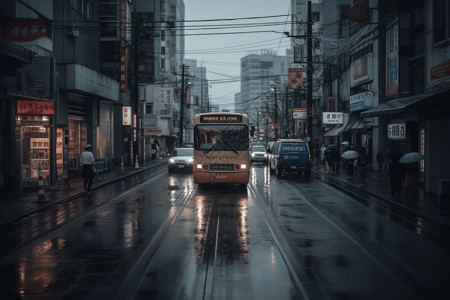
{"x": 164, "y": 238}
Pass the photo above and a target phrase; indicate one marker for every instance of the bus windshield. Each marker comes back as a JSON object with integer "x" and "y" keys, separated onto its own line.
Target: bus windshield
{"x": 221, "y": 138}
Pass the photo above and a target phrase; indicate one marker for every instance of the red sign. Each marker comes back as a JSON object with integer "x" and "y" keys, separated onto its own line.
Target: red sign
{"x": 35, "y": 108}
{"x": 299, "y": 113}
{"x": 25, "y": 31}
{"x": 440, "y": 70}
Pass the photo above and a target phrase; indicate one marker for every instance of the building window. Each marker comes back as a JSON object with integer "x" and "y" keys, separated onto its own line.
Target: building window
{"x": 441, "y": 30}
{"x": 163, "y": 64}
{"x": 149, "y": 108}
{"x": 163, "y": 50}
{"x": 163, "y": 35}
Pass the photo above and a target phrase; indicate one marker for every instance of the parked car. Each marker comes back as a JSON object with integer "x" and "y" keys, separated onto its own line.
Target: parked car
{"x": 258, "y": 154}
{"x": 291, "y": 155}
{"x": 181, "y": 159}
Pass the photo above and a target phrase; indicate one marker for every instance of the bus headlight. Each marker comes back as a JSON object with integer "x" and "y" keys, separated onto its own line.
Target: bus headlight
{"x": 199, "y": 166}
{"x": 243, "y": 166}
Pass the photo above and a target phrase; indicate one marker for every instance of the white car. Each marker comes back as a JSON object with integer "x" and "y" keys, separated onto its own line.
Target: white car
{"x": 181, "y": 159}
{"x": 258, "y": 154}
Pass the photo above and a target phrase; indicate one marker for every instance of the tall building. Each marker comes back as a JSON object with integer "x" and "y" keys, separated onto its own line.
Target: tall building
{"x": 261, "y": 74}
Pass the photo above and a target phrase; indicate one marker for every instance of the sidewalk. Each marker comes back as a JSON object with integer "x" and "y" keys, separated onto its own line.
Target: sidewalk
{"x": 13, "y": 206}
{"x": 378, "y": 184}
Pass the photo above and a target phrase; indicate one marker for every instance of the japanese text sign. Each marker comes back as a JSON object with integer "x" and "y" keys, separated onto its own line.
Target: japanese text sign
{"x": 332, "y": 118}
{"x": 397, "y": 131}
{"x": 25, "y": 30}
{"x": 35, "y": 108}
{"x": 126, "y": 115}
{"x": 164, "y": 102}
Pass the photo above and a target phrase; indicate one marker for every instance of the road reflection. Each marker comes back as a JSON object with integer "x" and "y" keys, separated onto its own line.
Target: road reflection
{"x": 221, "y": 223}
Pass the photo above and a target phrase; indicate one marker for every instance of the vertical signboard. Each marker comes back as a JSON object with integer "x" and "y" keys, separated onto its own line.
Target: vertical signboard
{"x": 295, "y": 78}
{"x": 126, "y": 115}
{"x": 123, "y": 45}
{"x": 392, "y": 61}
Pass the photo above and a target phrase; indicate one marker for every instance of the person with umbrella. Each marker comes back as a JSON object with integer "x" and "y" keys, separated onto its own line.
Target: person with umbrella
{"x": 349, "y": 157}
{"x": 411, "y": 162}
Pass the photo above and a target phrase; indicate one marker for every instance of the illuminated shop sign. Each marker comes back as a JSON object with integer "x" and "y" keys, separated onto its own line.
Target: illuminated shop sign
{"x": 220, "y": 119}
{"x": 333, "y": 118}
{"x": 397, "y": 131}
{"x": 35, "y": 108}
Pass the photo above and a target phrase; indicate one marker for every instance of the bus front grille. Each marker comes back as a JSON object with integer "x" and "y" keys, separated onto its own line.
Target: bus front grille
{"x": 221, "y": 167}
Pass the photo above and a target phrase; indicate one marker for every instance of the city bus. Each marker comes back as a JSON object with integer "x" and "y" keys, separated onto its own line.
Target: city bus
{"x": 221, "y": 148}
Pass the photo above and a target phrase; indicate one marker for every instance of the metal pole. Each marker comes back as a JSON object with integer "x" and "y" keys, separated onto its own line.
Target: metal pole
{"x": 310, "y": 79}
{"x": 276, "y": 114}
{"x": 182, "y": 106}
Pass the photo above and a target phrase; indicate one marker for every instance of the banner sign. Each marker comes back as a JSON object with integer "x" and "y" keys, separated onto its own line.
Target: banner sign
{"x": 299, "y": 113}
{"x": 123, "y": 46}
{"x": 153, "y": 131}
{"x": 392, "y": 62}
{"x": 25, "y": 30}
{"x": 126, "y": 115}
{"x": 397, "y": 131}
{"x": 333, "y": 118}
{"x": 35, "y": 108}
{"x": 361, "y": 101}
{"x": 295, "y": 78}
{"x": 188, "y": 97}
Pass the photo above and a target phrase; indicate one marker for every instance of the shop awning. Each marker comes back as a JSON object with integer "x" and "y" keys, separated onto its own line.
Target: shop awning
{"x": 393, "y": 106}
{"x": 350, "y": 123}
{"x": 338, "y": 130}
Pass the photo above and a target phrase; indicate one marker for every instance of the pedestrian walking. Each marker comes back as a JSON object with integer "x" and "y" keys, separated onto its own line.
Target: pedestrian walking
{"x": 87, "y": 160}
{"x": 362, "y": 166}
{"x": 380, "y": 160}
{"x": 395, "y": 172}
{"x": 154, "y": 149}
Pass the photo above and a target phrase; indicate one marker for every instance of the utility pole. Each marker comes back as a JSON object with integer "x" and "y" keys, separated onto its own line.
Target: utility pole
{"x": 286, "y": 113}
{"x": 276, "y": 113}
{"x": 183, "y": 68}
{"x": 310, "y": 78}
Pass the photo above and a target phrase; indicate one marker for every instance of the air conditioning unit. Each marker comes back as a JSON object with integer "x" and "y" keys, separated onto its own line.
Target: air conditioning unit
{"x": 74, "y": 32}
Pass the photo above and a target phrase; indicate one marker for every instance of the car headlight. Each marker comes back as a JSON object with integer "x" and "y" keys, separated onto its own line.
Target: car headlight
{"x": 190, "y": 161}
{"x": 253, "y": 154}
{"x": 265, "y": 155}
{"x": 171, "y": 161}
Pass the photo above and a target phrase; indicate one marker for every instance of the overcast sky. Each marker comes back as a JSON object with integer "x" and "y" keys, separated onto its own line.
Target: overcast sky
{"x": 221, "y": 54}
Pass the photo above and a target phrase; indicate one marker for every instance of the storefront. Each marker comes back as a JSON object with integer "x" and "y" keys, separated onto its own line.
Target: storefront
{"x": 33, "y": 138}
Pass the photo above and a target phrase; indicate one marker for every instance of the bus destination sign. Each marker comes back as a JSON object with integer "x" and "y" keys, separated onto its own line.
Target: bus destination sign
{"x": 221, "y": 119}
